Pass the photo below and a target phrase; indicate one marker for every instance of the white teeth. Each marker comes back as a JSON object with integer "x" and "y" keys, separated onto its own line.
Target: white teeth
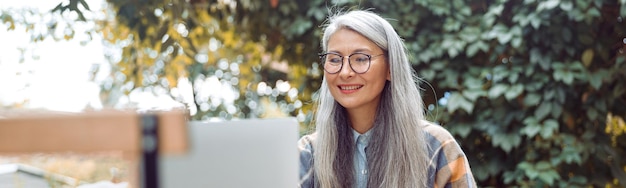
{"x": 350, "y": 87}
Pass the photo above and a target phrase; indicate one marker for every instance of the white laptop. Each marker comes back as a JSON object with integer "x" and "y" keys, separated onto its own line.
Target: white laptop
{"x": 239, "y": 153}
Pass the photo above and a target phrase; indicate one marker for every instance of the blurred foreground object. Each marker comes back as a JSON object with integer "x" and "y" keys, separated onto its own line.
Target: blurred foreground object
{"x": 139, "y": 136}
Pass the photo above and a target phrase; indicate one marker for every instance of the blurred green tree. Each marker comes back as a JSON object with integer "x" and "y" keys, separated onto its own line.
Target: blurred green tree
{"x": 533, "y": 90}
{"x": 208, "y": 41}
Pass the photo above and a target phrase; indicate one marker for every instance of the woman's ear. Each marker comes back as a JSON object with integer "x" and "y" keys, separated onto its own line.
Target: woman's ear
{"x": 388, "y": 70}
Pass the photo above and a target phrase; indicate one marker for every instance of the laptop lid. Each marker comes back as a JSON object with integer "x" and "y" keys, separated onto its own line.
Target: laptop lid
{"x": 238, "y": 153}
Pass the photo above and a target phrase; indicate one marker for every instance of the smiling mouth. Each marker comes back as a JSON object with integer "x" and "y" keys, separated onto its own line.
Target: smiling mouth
{"x": 355, "y": 87}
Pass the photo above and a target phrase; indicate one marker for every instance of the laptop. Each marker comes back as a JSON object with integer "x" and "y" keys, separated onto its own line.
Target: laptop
{"x": 239, "y": 153}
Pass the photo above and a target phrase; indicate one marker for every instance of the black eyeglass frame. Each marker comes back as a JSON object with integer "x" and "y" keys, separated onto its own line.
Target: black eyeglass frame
{"x": 369, "y": 61}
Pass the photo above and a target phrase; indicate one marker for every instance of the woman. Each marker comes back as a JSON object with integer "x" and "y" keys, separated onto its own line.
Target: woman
{"x": 370, "y": 127}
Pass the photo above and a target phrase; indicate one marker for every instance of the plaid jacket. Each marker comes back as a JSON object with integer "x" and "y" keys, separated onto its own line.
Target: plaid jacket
{"x": 449, "y": 166}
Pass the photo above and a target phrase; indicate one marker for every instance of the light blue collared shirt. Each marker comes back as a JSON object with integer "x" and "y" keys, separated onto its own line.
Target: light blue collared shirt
{"x": 360, "y": 159}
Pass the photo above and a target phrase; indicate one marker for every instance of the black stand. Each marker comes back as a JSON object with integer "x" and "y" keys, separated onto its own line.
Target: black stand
{"x": 150, "y": 154}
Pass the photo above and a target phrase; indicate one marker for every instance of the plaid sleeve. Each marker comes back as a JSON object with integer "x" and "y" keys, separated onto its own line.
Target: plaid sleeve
{"x": 449, "y": 165}
{"x": 305, "y": 148}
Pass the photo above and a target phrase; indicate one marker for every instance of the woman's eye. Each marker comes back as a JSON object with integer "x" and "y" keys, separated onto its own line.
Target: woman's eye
{"x": 361, "y": 59}
{"x": 334, "y": 60}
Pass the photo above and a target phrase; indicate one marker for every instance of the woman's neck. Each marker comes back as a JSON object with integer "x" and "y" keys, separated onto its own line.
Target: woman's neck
{"x": 362, "y": 120}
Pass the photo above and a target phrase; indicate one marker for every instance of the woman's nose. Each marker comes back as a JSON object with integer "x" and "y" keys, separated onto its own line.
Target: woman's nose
{"x": 346, "y": 69}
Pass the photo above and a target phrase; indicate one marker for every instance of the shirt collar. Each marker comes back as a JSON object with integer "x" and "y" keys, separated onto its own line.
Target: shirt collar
{"x": 362, "y": 139}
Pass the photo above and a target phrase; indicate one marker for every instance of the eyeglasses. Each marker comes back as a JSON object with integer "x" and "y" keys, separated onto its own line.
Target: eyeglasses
{"x": 359, "y": 62}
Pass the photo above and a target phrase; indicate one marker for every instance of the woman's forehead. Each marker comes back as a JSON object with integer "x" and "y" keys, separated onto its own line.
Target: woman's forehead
{"x": 349, "y": 40}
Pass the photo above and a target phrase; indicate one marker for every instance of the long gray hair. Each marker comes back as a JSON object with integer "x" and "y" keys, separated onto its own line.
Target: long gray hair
{"x": 397, "y": 153}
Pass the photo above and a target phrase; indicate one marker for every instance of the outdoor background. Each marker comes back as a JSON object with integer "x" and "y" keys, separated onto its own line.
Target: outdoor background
{"x": 533, "y": 90}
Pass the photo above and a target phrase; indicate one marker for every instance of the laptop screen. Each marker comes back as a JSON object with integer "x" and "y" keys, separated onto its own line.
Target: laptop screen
{"x": 238, "y": 153}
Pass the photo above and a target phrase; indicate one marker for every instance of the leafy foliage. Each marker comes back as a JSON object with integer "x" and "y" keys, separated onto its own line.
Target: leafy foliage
{"x": 204, "y": 41}
{"x": 532, "y": 89}
{"x": 529, "y": 84}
